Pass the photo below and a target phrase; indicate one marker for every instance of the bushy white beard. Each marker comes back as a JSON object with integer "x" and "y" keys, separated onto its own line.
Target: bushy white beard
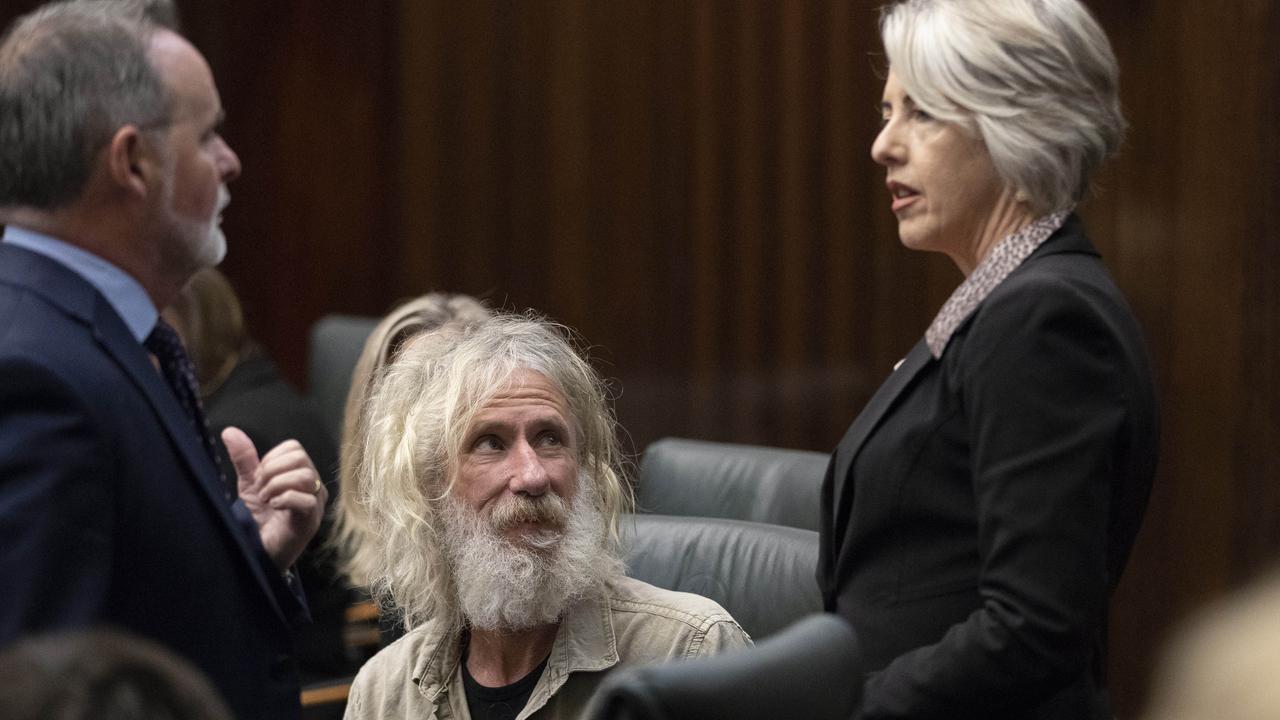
{"x": 505, "y": 585}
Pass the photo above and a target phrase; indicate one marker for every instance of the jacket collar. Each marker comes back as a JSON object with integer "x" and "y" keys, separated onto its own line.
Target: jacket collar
{"x": 118, "y": 287}
{"x": 584, "y": 643}
{"x": 1003, "y": 259}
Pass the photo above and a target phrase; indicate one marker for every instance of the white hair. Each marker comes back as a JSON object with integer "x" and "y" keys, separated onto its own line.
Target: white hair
{"x": 350, "y": 536}
{"x": 1036, "y": 80}
{"x": 415, "y": 424}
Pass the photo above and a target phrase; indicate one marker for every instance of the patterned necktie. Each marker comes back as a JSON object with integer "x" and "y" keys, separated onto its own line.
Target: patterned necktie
{"x": 180, "y": 374}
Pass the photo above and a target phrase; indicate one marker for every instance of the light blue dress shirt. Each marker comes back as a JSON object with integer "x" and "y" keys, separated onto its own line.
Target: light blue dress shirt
{"x": 130, "y": 301}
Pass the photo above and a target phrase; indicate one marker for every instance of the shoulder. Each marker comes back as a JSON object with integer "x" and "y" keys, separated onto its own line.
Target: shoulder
{"x": 1065, "y": 272}
{"x": 395, "y": 662}
{"x": 391, "y": 678}
{"x": 649, "y": 620}
{"x": 44, "y": 336}
{"x": 47, "y": 398}
{"x": 1069, "y": 296}
{"x": 30, "y": 323}
{"x": 628, "y": 595}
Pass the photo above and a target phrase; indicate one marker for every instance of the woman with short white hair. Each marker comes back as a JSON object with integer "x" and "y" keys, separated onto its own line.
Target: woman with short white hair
{"x": 979, "y": 512}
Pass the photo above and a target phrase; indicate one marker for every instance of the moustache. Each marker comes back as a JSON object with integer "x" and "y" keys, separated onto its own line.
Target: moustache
{"x": 550, "y": 511}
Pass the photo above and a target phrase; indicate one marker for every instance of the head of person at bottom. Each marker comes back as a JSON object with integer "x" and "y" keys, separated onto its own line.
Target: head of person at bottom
{"x": 491, "y": 479}
{"x": 994, "y": 114}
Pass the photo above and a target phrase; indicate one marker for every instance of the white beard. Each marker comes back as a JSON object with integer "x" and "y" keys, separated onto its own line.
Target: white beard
{"x": 213, "y": 249}
{"x": 203, "y": 243}
{"x": 506, "y": 585}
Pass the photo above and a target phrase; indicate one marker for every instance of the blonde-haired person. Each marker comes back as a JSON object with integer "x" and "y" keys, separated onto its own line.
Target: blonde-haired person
{"x": 409, "y": 319}
{"x": 492, "y": 485}
{"x": 1225, "y": 665}
{"x": 981, "y": 508}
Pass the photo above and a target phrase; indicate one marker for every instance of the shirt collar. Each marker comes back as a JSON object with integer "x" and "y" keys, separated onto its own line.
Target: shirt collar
{"x": 1003, "y": 259}
{"x": 124, "y": 294}
{"x": 585, "y": 642}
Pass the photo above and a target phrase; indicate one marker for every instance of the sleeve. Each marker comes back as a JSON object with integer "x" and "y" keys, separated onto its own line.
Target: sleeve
{"x": 1041, "y": 377}
{"x": 55, "y": 503}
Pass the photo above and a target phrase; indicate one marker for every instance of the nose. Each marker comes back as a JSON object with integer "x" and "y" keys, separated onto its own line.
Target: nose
{"x": 886, "y": 149}
{"x": 228, "y": 162}
{"x": 528, "y": 475}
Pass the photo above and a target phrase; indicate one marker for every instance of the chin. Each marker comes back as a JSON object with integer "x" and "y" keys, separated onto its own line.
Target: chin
{"x": 913, "y": 241}
{"x": 211, "y": 250}
{"x": 216, "y": 249}
{"x": 915, "y": 237}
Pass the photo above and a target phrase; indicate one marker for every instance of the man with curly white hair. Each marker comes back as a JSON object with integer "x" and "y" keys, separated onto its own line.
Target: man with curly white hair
{"x": 490, "y": 478}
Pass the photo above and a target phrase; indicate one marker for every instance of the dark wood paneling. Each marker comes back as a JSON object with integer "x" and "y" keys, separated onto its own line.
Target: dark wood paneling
{"x": 688, "y": 184}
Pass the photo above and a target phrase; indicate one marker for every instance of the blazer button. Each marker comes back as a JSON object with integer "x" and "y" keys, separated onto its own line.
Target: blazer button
{"x": 282, "y": 668}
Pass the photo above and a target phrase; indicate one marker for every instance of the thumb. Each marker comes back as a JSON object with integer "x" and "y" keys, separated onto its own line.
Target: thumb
{"x": 244, "y": 456}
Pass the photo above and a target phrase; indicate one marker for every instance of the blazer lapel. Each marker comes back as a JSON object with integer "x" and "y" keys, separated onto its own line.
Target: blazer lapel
{"x": 867, "y": 420}
{"x": 1069, "y": 238}
{"x": 110, "y": 332}
{"x": 117, "y": 341}
{"x": 81, "y": 302}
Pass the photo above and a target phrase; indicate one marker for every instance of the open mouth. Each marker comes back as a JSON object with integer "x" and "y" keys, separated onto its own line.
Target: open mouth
{"x": 903, "y": 195}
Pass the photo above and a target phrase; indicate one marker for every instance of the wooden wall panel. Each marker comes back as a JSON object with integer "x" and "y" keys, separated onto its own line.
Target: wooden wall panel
{"x": 687, "y": 183}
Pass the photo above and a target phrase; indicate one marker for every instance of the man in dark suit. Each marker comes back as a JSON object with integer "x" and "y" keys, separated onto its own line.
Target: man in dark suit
{"x": 112, "y": 507}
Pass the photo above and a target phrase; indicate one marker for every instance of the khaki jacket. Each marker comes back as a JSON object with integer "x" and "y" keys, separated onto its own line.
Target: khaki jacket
{"x": 636, "y": 623}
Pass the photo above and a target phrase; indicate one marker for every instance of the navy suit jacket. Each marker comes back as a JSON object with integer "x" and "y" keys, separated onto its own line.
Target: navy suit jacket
{"x": 111, "y": 512}
{"x": 979, "y": 511}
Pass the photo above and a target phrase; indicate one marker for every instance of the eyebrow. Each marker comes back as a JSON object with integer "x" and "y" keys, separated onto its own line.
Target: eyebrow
{"x": 482, "y": 427}
{"x": 906, "y": 100}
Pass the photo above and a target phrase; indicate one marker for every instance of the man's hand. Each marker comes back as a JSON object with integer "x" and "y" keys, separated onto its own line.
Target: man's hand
{"x": 283, "y": 492}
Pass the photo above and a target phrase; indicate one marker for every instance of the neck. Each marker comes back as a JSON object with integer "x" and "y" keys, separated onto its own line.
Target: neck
{"x": 1007, "y": 217}
{"x": 106, "y": 235}
{"x": 497, "y": 658}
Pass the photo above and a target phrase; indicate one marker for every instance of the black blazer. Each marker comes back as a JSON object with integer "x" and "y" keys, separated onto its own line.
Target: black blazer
{"x": 978, "y": 513}
{"x": 111, "y": 511}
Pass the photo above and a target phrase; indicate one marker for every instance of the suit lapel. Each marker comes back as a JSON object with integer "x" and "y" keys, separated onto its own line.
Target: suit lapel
{"x": 116, "y": 341}
{"x": 867, "y": 421}
{"x": 82, "y": 303}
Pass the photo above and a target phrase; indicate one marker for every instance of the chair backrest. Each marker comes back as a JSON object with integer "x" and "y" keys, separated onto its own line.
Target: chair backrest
{"x": 762, "y": 574}
{"x": 809, "y": 670}
{"x": 740, "y": 482}
{"x": 336, "y": 342}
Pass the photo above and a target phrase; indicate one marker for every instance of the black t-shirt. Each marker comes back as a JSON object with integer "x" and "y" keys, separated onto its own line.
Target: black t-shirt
{"x": 499, "y": 703}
